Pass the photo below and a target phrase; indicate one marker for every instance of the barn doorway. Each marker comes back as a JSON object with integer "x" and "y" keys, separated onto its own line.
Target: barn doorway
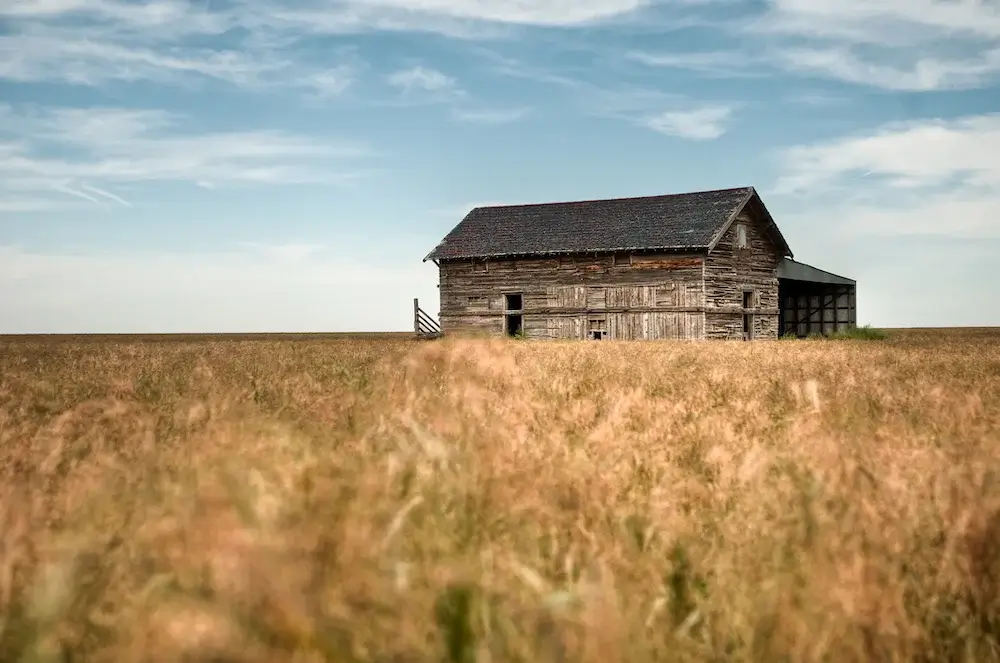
{"x": 514, "y": 326}
{"x": 513, "y": 304}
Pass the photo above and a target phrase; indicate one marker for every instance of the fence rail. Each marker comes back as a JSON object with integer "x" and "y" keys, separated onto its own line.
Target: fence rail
{"x": 424, "y": 326}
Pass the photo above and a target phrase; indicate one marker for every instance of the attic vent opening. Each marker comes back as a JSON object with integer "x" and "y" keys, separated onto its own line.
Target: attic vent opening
{"x": 741, "y": 236}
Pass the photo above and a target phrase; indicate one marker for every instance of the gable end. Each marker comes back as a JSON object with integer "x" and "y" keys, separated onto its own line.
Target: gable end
{"x": 755, "y": 206}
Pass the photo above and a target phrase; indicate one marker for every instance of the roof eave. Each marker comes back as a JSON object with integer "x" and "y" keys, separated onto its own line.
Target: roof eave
{"x": 542, "y": 254}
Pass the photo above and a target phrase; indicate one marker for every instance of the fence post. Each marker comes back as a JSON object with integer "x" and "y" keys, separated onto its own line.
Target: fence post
{"x": 416, "y": 317}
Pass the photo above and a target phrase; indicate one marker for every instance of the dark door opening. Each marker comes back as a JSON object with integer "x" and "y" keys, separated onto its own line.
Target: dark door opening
{"x": 747, "y": 317}
{"x": 513, "y": 306}
{"x": 513, "y": 325}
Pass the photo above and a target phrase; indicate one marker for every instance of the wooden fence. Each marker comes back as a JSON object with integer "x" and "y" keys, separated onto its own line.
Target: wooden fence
{"x": 424, "y": 326}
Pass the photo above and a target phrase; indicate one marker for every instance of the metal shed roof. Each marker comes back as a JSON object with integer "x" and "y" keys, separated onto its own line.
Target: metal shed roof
{"x": 799, "y": 271}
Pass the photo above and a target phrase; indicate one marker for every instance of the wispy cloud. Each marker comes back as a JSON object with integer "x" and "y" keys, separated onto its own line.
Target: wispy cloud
{"x": 450, "y": 16}
{"x": 421, "y": 78}
{"x": 907, "y": 71}
{"x": 86, "y": 153}
{"x": 907, "y": 45}
{"x": 644, "y": 106}
{"x": 911, "y": 154}
{"x": 331, "y": 82}
{"x": 706, "y": 123}
{"x": 923, "y": 177}
{"x": 921, "y": 74}
{"x": 880, "y": 21}
{"x": 67, "y": 57}
{"x": 163, "y": 41}
{"x": 167, "y": 18}
{"x": 106, "y": 194}
{"x": 489, "y": 115}
{"x": 813, "y": 98}
{"x": 893, "y": 44}
{"x": 712, "y": 63}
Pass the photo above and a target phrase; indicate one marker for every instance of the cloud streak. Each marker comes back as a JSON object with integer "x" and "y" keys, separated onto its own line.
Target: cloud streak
{"x": 101, "y": 148}
{"x": 489, "y": 115}
{"x": 899, "y": 45}
{"x": 422, "y": 79}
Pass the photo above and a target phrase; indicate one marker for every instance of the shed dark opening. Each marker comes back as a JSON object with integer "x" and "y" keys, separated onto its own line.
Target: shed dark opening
{"x": 813, "y": 301}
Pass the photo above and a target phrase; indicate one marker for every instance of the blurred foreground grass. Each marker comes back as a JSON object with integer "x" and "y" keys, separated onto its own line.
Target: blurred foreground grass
{"x": 385, "y": 500}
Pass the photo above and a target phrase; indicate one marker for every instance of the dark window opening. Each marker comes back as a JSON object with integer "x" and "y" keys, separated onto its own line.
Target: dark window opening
{"x": 514, "y": 325}
{"x": 597, "y": 330}
{"x": 748, "y": 300}
{"x": 513, "y": 302}
{"x": 747, "y": 327}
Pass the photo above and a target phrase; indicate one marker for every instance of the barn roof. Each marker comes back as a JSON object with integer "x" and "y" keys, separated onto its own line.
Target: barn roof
{"x": 684, "y": 221}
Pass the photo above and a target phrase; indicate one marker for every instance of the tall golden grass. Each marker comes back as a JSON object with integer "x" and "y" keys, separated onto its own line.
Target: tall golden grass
{"x": 387, "y": 500}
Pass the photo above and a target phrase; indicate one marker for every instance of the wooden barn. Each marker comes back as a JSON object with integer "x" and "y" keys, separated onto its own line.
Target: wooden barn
{"x": 702, "y": 265}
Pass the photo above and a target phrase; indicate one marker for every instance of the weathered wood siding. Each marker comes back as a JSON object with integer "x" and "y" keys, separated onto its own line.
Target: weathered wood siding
{"x": 637, "y": 297}
{"x": 729, "y": 272}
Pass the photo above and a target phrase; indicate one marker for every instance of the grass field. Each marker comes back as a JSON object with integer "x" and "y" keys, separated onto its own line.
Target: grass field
{"x": 378, "y": 499}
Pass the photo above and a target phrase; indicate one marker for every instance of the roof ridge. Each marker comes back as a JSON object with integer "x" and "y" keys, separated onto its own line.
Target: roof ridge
{"x": 615, "y": 200}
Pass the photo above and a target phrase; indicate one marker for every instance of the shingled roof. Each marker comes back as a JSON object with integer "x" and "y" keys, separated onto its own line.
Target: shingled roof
{"x": 685, "y": 221}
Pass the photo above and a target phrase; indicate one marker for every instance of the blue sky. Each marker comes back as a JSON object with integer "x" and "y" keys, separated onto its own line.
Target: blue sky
{"x": 238, "y": 165}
